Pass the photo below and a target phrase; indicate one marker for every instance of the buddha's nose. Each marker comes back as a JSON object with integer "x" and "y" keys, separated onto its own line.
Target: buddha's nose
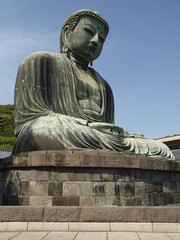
{"x": 95, "y": 40}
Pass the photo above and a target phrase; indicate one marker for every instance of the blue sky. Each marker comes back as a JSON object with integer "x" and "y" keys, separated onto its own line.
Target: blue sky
{"x": 140, "y": 59}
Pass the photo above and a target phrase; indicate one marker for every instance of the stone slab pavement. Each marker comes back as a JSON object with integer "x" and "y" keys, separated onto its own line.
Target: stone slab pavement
{"x": 89, "y": 231}
{"x": 44, "y": 235}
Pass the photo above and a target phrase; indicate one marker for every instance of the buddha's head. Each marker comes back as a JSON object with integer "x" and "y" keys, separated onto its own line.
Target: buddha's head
{"x": 83, "y": 34}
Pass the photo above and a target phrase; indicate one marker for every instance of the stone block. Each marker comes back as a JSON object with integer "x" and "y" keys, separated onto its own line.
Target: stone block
{"x": 34, "y": 188}
{"x": 153, "y": 163}
{"x": 40, "y": 201}
{"x": 123, "y": 175}
{"x": 110, "y": 189}
{"x": 73, "y": 201}
{"x": 123, "y": 235}
{"x": 115, "y": 200}
{"x": 13, "y": 226}
{"x": 173, "y": 214}
{"x": 60, "y": 236}
{"x": 146, "y": 200}
{"x": 102, "y": 200}
{"x": 118, "y": 188}
{"x": 88, "y": 227}
{"x": 94, "y": 174}
{"x": 154, "y": 187}
{"x": 155, "y": 199}
{"x": 131, "y": 227}
{"x": 31, "y": 235}
{"x": 87, "y": 201}
{"x": 130, "y": 161}
{"x": 116, "y": 214}
{"x": 154, "y": 236}
{"x": 85, "y": 189}
{"x": 21, "y": 214}
{"x": 59, "y": 201}
{"x": 26, "y": 189}
{"x": 91, "y": 235}
{"x": 47, "y": 226}
{"x": 99, "y": 189}
{"x": 55, "y": 189}
{"x": 24, "y": 201}
{"x": 40, "y": 188}
{"x": 128, "y": 189}
{"x": 155, "y": 214}
{"x": 140, "y": 188}
{"x": 20, "y": 160}
{"x": 169, "y": 187}
{"x": 32, "y": 175}
{"x": 176, "y": 197}
{"x": 166, "y": 227}
{"x": 70, "y": 188}
{"x": 65, "y": 201}
{"x": 7, "y": 235}
{"x": 59, "y": 175}
{"x": 108, "y": 175}
{"x": 77, "y": 188}
{"x": 166, "y": 198}
{"x": 40, "y": 158}
{"x": 62, "y": 214}
{"x": 131, "y": 201}
{"x": 78, "y": 175}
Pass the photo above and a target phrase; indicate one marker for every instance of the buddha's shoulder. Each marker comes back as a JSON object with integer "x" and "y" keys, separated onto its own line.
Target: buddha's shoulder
{"x": 46, "y": 56}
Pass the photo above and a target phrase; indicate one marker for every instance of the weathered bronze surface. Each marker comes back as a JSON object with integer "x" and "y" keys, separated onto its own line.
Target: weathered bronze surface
{"x": 61, "y": 103}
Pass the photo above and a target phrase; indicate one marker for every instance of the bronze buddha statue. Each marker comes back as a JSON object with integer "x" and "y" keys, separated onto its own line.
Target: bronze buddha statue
{"x": 62, "y": 103}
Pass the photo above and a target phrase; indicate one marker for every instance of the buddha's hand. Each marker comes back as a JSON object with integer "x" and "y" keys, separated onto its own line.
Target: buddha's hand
{"x": 107, "y": 128}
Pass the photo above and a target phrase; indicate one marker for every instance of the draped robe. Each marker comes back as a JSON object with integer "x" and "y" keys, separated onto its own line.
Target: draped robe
{"x": 49, "y": 117}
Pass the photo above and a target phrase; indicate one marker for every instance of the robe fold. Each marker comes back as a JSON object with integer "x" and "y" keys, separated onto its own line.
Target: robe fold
{"x": 49, "y": 117}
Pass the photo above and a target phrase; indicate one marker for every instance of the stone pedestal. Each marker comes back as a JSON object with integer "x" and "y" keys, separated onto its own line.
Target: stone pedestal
{"x": 88, "y": 178}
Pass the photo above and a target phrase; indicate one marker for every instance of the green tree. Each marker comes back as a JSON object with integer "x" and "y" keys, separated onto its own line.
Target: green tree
{"x": 7, "y": 138}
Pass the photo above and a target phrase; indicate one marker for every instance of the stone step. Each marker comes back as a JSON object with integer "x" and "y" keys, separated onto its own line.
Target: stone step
{"x": 159, "y": 214}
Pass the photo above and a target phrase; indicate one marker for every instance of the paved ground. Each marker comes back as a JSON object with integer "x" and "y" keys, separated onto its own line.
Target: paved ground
{"x": 88, "y": 231}
{"x": 88, "y": 236}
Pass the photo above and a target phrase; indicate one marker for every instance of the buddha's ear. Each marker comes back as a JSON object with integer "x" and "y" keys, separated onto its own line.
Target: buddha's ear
{"x": 66, "y": 39}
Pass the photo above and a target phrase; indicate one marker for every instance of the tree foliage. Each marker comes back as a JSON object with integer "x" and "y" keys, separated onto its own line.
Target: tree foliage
{"x": 7, "y": 138}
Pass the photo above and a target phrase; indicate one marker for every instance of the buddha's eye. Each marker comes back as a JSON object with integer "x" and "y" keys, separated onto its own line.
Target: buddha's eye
{"x": 89, "y": 31}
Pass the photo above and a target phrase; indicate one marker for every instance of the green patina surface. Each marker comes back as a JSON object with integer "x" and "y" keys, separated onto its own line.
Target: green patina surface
{"x": 61, "y": 103}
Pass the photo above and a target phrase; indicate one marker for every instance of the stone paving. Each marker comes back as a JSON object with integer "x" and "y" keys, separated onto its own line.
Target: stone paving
{"x": 88, "y": 231}
{"x": 48, "y": 235}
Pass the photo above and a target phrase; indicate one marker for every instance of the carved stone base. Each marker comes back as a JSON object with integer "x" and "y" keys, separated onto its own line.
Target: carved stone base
{"x": 88, "y": 178}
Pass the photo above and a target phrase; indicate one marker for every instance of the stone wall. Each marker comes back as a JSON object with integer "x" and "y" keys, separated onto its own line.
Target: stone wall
{"x": 88, "y": 178}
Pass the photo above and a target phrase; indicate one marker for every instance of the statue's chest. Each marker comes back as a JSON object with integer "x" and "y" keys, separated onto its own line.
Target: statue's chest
{"x": 86, "y": 87}
{"x": 88, "y": 92}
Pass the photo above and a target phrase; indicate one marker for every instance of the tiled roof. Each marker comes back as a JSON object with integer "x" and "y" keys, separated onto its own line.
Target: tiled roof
{"x": 4, "y": 153}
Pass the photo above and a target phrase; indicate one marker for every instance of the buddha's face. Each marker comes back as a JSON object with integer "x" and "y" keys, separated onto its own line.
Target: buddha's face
{"x": 87, "y": 39}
